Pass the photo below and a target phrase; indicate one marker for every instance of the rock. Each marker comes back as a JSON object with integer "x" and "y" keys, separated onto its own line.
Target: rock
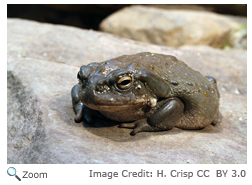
{"x": 238, "y": 39}
{"x": 171, "y": 27}
{"x": 43, "y": 61}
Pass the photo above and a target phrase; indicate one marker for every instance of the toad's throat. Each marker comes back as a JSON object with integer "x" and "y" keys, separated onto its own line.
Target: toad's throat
{"x": 126, "y": 115}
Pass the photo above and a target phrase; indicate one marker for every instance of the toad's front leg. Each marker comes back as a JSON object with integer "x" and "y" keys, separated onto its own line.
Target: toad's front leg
{"x": 83, "y": 113}
{"x": 165, "y": 118}
{"x": 78, "y": 106}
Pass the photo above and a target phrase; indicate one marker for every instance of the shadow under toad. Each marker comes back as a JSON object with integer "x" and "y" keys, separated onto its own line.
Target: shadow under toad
{"x": 113, "y": 132}
{"x": 110, "y": 129}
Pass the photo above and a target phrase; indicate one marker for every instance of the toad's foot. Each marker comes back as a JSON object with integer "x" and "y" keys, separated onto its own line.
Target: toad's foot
{"x": 138, "y": 126}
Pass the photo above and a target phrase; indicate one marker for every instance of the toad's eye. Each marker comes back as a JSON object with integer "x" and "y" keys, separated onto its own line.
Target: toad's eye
{"x": 124, "y": 83}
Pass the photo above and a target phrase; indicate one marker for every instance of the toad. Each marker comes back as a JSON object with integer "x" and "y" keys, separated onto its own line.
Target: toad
{"x": 146, "y": 92}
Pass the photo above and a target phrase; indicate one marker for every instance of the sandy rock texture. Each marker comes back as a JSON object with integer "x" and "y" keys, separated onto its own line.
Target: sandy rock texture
{"x": 176, "y": 27}
{"x": 43, "y": 61}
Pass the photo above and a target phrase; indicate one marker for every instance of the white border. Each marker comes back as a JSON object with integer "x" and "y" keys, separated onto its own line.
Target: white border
{"x": 79, "y": 173}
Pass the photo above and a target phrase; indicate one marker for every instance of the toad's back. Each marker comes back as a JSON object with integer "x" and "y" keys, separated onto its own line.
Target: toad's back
{"x": 198, "y": 93}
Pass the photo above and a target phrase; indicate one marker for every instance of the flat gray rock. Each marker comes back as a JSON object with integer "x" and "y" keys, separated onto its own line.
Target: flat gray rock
{"x": 43, "y": 61}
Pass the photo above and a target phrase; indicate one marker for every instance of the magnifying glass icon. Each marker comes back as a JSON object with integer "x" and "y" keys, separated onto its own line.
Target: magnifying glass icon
{"x": 12, "y": 172}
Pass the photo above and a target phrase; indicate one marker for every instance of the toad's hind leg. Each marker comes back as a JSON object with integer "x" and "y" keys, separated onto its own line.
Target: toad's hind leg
{"x": 216, "y": 119}
{"x": 165, "y": 118}
{"x": 218, "y": 116}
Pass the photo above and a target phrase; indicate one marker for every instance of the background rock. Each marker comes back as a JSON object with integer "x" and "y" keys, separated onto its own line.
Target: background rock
{"x": 43, "y": 61}
{"x": 171, "y": 27}
{"x": 238, "y": 38}
{"x": 89, "y": 16}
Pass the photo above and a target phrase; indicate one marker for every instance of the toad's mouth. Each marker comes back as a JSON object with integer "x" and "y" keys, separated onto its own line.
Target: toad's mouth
{"x": 121, "y": 106}
{"x": 115, "y": 107}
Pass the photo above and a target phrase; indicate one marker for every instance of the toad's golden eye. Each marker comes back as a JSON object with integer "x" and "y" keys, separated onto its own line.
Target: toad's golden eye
{"x": 124, "y": 83}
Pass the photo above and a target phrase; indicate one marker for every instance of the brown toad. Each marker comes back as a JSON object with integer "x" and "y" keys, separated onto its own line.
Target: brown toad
{"x": 146, "y": 92}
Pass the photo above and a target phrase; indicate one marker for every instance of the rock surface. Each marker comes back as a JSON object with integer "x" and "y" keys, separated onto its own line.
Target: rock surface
{"x": 172, "y": 27}
{"x": 43, "y": 61}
